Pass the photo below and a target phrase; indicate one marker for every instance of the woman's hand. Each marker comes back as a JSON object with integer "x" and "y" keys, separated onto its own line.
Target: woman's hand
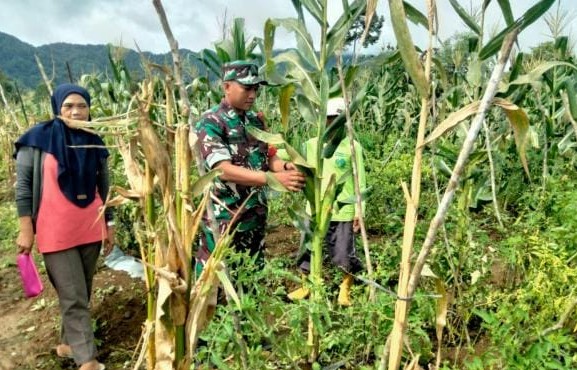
{"x": 25, "y": 239}
{"x": 109, "y": 241}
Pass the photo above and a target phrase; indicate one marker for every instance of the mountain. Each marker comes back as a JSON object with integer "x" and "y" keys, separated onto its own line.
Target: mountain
{"x": 17, "y": 60}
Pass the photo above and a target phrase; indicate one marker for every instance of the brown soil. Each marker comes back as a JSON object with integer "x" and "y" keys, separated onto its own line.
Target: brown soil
{"x": 29, "y": 328}
{"x": 282, "y": 241}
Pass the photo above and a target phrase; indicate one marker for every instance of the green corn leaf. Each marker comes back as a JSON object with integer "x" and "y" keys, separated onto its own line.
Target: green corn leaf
{"x": 561, "y": 44}
{"x": 221, "y": 52}
{"x": 353, "y": 198}
{"x": 350, "y": 74}
{"x": 345, "y": 176}
{"x": 218, "y": 361}
{"x": 298, "y": 70}
{"x": 284, "y": 100}
{"x": 306, "y": 109}
{"x": 415, "y": 16}
{"x": 228, "y": 287}
{"x": 297, "y": 4}
{"x": 309, "y": 189}
{"x": 407, "y": 47}
{"x": 327, "y": 205}
{"x": 277, "y": 139}
{"x": 304, "y": 40}
{"x": 314, "y": 9}
{"x": 469, "y": 21}
{"x": 267, "y": 137}
{"x": 239, "y": 43}
{"x": 530, "y": 16}
{"x": 338, "y": 32}
{"x": 211, "y": 61}
{"x": 535, "y": 75}
{"x": 204, "y": 182}
{"x": 572, "y": 98}
{"x": 474, "y": 73}
{"x": 269, "y": 32}
{"x": 256, "y": 41}
{"x": 336, "y": 132}
{"x": 507, "y": 12}
{"x": 382, "y": 59}
{"x": 296, "y": 158}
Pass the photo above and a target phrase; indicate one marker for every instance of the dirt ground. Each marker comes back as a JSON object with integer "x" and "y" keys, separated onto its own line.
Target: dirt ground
{"x": 29, "y": 328}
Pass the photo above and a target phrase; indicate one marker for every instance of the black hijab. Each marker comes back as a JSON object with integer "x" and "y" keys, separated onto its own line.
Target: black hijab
{"x": 79, "y": 153}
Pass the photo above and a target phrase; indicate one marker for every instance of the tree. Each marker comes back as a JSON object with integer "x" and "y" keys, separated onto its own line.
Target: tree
{"x": 356, "y": 31}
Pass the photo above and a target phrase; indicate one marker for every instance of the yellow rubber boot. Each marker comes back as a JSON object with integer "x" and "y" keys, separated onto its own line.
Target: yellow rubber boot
{"x": 300, "y": 293}
{"x": 345, "y": 291}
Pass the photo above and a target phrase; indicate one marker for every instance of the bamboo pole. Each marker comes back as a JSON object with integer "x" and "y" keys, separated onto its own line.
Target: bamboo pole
{"x": 420, "y": 77}
{"x": 406, "y": 295}
{"x": 466, "y": 150}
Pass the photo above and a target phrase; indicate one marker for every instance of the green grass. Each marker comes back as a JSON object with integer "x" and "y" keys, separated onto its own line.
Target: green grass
{"x": 8, "y": 234}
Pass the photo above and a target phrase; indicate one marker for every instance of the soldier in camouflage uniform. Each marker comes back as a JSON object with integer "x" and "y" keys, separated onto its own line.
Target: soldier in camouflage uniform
{"x": 244, "y": 160}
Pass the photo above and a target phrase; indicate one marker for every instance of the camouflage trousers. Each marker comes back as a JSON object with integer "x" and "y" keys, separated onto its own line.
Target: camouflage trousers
{"x": 249, "y": 240}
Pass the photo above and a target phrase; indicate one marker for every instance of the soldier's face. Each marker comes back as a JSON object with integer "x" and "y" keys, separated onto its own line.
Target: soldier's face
{"x": 240, "y": 97}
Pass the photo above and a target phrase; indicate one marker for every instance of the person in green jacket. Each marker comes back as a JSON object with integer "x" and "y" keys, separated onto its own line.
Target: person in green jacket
{"x": 340, "y": 238}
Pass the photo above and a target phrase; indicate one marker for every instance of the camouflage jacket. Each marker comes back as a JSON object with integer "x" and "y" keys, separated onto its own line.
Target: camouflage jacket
{"x": 222, "y": 135}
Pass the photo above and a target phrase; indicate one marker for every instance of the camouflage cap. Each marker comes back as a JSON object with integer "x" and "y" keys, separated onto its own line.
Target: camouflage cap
{"x": 243, "y": 72}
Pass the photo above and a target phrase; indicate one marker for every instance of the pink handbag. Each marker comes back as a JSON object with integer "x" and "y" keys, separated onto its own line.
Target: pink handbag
{"x": 29, "y": 274}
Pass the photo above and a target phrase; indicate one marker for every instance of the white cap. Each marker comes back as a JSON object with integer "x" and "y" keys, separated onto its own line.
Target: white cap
{"x": 335, "y": 106}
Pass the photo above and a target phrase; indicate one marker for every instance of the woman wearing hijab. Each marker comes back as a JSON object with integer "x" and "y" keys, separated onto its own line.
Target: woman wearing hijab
{"x": 62, "y": 181}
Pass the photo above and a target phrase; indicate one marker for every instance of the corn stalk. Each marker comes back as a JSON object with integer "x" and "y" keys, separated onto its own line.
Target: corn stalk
{"x": 187, "y": 340}
{"x": 420, "y": 78}
{"x": 436, "y": 222}
{"x": 307, "y": 80}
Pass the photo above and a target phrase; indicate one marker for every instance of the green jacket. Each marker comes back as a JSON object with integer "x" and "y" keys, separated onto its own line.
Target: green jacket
{"x": 338, "y": 164}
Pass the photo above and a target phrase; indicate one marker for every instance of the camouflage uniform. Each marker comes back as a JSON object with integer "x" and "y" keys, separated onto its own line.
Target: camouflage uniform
{"x": 223, "y": 137}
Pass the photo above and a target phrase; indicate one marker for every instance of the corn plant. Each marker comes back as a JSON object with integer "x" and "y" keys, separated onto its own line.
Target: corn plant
{"x": 307, "y": 82}
{"x": 421, "y": 78}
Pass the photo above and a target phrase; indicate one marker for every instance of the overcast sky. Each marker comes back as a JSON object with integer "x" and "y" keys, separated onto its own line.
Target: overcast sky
{"x": 197, "y": 24}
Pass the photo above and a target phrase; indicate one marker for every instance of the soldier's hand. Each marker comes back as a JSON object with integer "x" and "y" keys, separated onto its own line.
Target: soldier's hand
{"x": 293, "y": 180}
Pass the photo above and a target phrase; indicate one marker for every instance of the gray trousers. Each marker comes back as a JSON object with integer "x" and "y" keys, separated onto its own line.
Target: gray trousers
{"x": 71, "y": 272}
{"x": 340, "y": 243}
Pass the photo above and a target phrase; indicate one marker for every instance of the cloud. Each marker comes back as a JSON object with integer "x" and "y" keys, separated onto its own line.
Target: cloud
{"x": 198, "y": 24}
